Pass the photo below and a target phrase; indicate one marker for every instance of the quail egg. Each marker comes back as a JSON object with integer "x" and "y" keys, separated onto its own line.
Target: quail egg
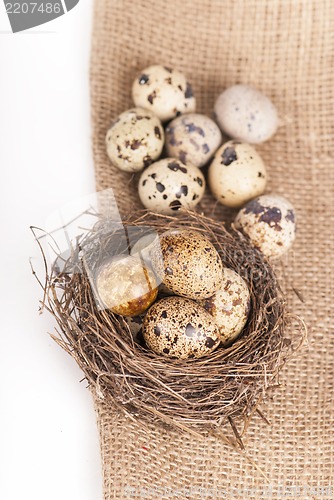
{"x": 135, "y": 140}
{"x": 126, "y": 286}
{"x": 190, "y": 264}
{"x": 229, "y": 306}
{"x": 193, "y": 138}
{"x": 269, "y": 222}
{"x": 246, "y": 114}
{"x": 236, "y": 174}
{"x": 180, "y": 328}
{"x": 168, "y": 185}
{"x": 163, "y": 90}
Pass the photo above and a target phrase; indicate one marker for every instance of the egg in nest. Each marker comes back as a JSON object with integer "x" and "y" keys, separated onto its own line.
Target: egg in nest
{"x": 126, "y": 286}
{"x": 180, "y": 328}
{"x": 229, "y": 306}
{"x": 188, "y": 264}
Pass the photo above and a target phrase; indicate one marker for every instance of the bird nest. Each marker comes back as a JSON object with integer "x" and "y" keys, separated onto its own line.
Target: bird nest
{"x": 197, "y": 395}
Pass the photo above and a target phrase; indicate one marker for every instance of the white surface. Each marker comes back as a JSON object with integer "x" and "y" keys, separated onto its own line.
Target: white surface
{"x": 49, "y": 447}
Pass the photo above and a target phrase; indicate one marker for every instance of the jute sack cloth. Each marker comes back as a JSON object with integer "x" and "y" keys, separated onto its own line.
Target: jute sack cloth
{"x": 286, "y": 49}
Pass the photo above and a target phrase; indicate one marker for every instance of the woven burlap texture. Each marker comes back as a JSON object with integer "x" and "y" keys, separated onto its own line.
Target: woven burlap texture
{"x": 286, "y": 49}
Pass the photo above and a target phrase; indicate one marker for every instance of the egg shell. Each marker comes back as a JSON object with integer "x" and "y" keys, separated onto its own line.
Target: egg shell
{"x": 192, "y": 138}
{"x": 229, "y": 306}
{"x": 246, "y": 114}
{"x": 135, "y": 140}
{"x": 168, "y": 186}
{"x": 190, "y": 264}
{"x": 180, "y": 328}
{"x": 163, "y": 90}
{"x": 236, "y": 174}
{"x": 126, "y": 286}
{"x": 269, "y": 222}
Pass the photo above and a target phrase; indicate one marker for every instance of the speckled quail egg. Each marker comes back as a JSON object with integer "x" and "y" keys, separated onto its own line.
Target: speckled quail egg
{"x": 229, "y": 306}
{"x": 180, "y": 328}
{"x": 193, "y": 138}
{"x": 269, "y": 222}
{"x": 190, "y": 264}
{"x": 126, "y": 286}
{"x": 168, "y": 185}
{"x": 246, "y": 114}
{"x": 135, "y": 140}
{"x": 236, "y": 174}
{"x": 163, "y": 90}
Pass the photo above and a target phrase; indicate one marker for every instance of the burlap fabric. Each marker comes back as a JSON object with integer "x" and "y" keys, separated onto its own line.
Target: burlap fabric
{"x": 286, "y": 49}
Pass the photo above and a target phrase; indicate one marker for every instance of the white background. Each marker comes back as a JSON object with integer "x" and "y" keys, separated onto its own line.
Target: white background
{"x": 49, "y": 447}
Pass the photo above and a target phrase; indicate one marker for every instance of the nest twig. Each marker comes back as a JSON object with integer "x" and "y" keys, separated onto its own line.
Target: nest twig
{"x": 196, "y": 395}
